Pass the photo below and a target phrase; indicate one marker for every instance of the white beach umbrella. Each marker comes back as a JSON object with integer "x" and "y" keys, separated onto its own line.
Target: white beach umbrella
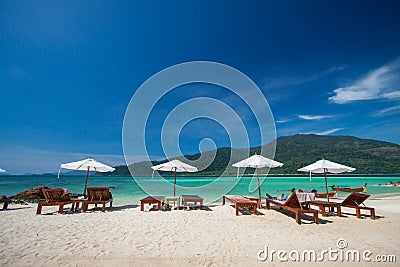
{"x": 324, "y": 166}
{"x": 257, "y": 161}
{"x": 174, "y": 166}
{"x": 86, "y": 165}
{"x": 1, "y": 170}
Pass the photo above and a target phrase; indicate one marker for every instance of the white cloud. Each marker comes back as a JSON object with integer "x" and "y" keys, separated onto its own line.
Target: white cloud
{"x": 336, "y": 68}
{"x": 280, "y": 88}
{"x": 327, "y": 132}
{"x": 381, "y": 83}
{"x": 290, "y": 81}
{"x": 387, "y": 111}
{"x": 282, "y": 121}
{"x": 392, "y": 95}
{"x": 314, "y": 117}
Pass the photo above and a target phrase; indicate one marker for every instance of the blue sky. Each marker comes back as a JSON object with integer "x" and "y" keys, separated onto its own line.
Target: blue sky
{"x": 69, "y": 69}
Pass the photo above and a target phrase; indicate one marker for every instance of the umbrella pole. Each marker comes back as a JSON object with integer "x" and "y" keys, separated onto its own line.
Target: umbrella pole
{"x": 326, "y": 185}
{"x": 175, "y": 182}
{"x": 259, "y": 189}
{"x": 87, "y": 177}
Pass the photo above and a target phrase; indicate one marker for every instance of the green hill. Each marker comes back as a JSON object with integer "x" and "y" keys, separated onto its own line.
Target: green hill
{"x": 368, "y": 156}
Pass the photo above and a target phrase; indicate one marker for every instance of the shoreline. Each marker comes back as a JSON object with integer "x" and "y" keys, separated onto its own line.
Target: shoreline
{"x": 135, "y": 200}
{"x": 384, "y": 196}
{"x": 232, "y": 175}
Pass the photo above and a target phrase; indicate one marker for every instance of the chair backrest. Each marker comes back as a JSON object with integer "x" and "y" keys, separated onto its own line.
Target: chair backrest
{"x": 355, "y": 199}
{"x": 292, "y": 201}
{"x": 55, "y": 195}
{"x": 99, "y": 193}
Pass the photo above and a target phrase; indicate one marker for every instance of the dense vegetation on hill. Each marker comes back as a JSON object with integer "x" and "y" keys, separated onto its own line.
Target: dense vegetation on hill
{"x": 368, "y": 156}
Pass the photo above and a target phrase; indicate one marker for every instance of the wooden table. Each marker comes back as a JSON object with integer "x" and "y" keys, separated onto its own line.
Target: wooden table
{"x": 325, "y": 204}
{"x": 77, "y": 202}
{"x": 256, "y": 199}
{"x": 174, "y": 200}
{"x": 159, "y": 200}
{"x": 240, "y": 201}
{"x": 192, "y": 199}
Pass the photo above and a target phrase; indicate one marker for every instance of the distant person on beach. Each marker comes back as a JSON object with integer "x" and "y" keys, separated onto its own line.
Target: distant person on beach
{"x": 283, "y": 197}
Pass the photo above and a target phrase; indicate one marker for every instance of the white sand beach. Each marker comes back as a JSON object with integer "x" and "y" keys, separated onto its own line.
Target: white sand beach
{"x": 125, "y": 236}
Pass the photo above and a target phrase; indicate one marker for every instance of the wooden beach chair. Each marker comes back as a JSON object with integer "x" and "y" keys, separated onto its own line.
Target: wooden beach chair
{"x": 354, "y": 200}
{"x": 55, "y": 197}
{"x": 97, "y": 195}
{"x": 240, "y": 201}
{"x": 292, "y": 204}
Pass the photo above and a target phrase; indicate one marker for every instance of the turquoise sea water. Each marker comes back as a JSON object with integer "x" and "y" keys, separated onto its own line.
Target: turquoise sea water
{"x": 127, "y": 191}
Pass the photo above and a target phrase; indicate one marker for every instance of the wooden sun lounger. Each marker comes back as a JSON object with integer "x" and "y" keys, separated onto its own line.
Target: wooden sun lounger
{"x": 240, "y": 201}
{"x": 97, "y": 195}
{"x": 55, "y": 197}
{"x": 354, "y": 200}
{"x": 292, "y": 204}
